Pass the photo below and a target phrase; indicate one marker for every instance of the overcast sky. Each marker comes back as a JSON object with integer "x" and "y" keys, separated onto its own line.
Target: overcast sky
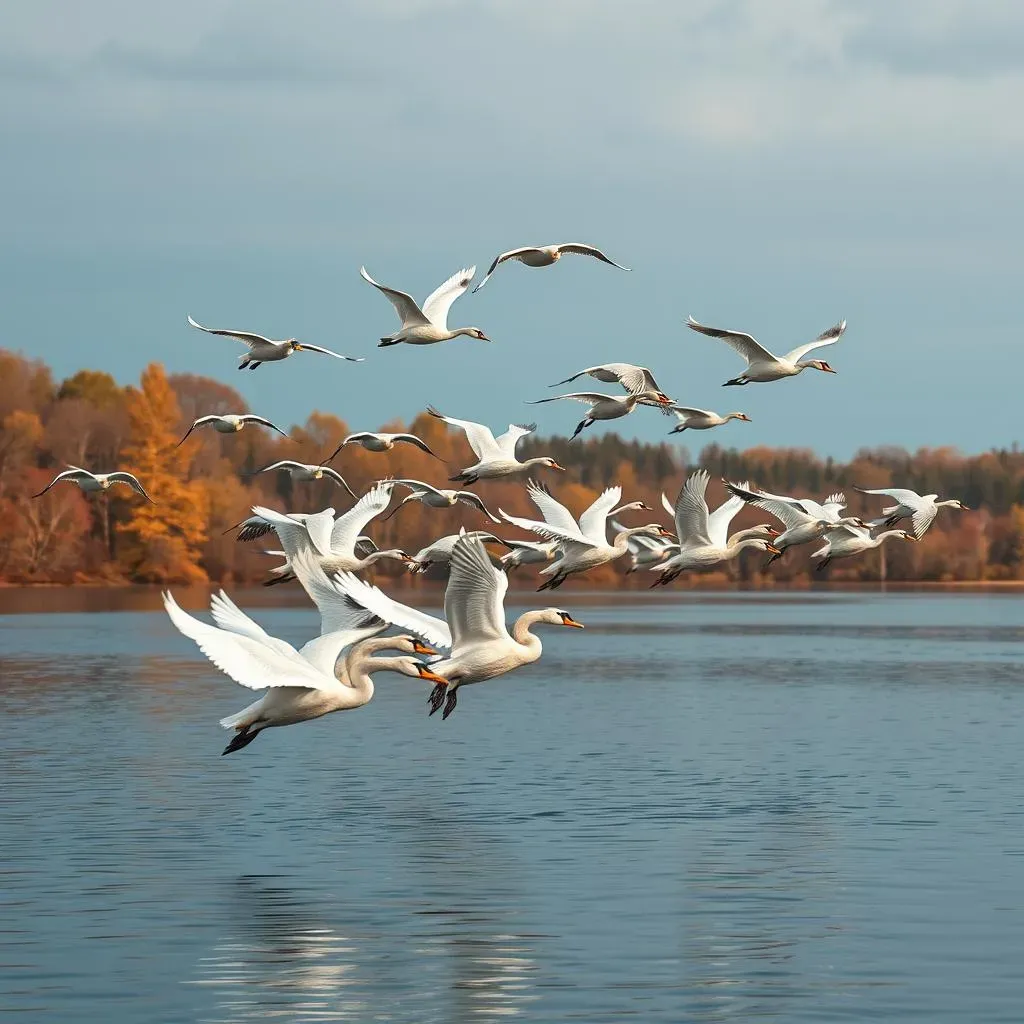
{"x": 768, "y": 167}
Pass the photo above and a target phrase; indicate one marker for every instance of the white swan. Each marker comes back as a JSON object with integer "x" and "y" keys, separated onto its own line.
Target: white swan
{"x": 607, "y": 407}
{"x": 436, "y": 497}
{"x": 428, "y": 325}
{"x": 805, "y": 519}
{"x": 92, "y": 482}
{"x": 439, "y": 552}
{"x": 528, "y": 552}
{"x": 380, "y": 442}
{"x": 301, "y": 684}
{"x": 265, "y": 350}
{"x": 307, "y": 472}
{"x": 762, "y": 365}
{"x": 701, "y": 419}
{"x": 851, "y": 540}
{"x": 482, "y": 647}
{"x": 230, "y": 423}
{"x": 703, "y": 535}
{"x": 629, "y": 375}
{"x": 584, "y": 544}
{"x": 644, "y": 550}
{"x": 496, "y": 456}
{"x": 545, "y": 256}
{"x": 334, "y": 540}
{"x": 255, "y": 527}
{"x": 920, "y": 509}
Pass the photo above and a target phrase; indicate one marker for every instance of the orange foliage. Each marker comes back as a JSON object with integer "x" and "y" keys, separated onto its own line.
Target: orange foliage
{"x": 162, "y": 541}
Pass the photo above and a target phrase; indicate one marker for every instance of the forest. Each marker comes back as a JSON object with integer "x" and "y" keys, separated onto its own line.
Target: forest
{"x": 205, "y": 486}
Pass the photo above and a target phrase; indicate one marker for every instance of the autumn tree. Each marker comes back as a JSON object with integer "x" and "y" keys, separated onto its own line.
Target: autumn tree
{"x": 162, "y": 541}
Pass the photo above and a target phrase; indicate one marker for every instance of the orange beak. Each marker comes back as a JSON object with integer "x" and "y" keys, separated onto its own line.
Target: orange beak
{"x": 664, "y": 399}
{"x": 561, "y": 469}
{"x": 421, "y": 648}
{"x": 568, "y": 620}
{"x": 665, "y": 533}
{"x": 433, "y": 677}
{"x": 772, "y": 532}
{"x": 773, "y": 549}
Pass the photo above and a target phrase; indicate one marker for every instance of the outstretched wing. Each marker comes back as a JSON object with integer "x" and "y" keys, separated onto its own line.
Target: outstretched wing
{"x": 250, "y": 662}
{"x": 433, "y": 630}
{"x": 314, "y": 529}
{"x": 719, "y": 520}
{"x": 512, "y": 254}
{"x": 230, "y": 617}
{"x": 516, "y": 432}
{"x": 480, "y": 438}
{"x": 554, "y": 512}
{"x": 588, "y": 250}
{"x": 338, "y": 612}
{"x": 405, "y": 305}
{"x": 132, "y": 481}
{"x": 788, "y": 511}
{"x": 475, "y": 501}
{"x": 594, "y": 522}
{"x": 262, "y": 421}
{"x": 349, "y": 526}
{"x": 440, "y": 300}
{"x": 305, "y": 347}
{"x": 911, "y": 499}
{"x": 474, "y": 601}
{"x": 587, "y": 397}
{"x": 745, "y": 344}
{"x": 829, "y": 337}
{"x": 691, "y": 511}
{"x": 246, "y": 337}
{"x": 69, "y": 474}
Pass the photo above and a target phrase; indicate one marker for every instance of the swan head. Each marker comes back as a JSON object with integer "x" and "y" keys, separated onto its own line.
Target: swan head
{"x": 954, "y": 503}
{"x": 549, "y": 463}
{"x": 740, "y": 416}
{"x": 474, "y": 332}
{"x": 293, "y": 345}
{"x": 411, "y": 645}
{"x": 656, "y": 529}
{"x": 820, "y": 364}
{"x": 635, "y": 506}
{"x": 557, "y": 617}
{"x": 903, "y": 535}
{"x": 416, "y": 669}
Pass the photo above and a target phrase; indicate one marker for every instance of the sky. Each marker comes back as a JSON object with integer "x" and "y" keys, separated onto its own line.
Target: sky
{"x": 772, "y": 168}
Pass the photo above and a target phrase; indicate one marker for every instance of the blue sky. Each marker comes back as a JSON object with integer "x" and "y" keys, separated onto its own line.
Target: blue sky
{"x": 767, "y": 167}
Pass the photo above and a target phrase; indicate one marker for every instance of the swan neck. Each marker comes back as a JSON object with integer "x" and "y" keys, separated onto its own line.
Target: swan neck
{"x": 521, "y": 631}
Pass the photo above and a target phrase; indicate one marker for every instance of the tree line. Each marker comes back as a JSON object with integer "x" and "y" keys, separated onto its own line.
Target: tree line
{"x": 205, "y": 486}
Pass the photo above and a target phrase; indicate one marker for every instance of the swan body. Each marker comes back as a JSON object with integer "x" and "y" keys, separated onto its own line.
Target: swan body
{"x": 482, "y": 647}
{"x": 632, "y": 377}
{"x": 703, "y": 535}
{"x": 496, "y": 456}
{"x": 436, "y": 497}
{"x": 301, "y": 684}
{"x": 701, "y": 419}
{"x": 427, "y": 325}
{"x": 440, "y": 551}
{"x": 381, "y": 442}
{"x": 230, "y": 423}
{"x": 846, "y": 541}
{"x": 527, "y": 552}
{"x": 306, "y": 472}
{"x": 645, "y": 551}
{"x": 265, "y": 350}
{"x": 545, "y": 256}
{"x": 920, "y": 509}
{"x": 805, "y": 520}
{"x": 333, "y": 539}
{"x": 762, "y": 365}
{"x": 608, "y": 407}
{"x": 91, "y": 483}
{"x": 583, "y": 545}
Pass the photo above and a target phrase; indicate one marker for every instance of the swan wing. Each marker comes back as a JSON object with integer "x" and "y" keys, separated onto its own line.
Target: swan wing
{"x": 349, "y": 526}
{"x": 594, "y": 522}
{"x": 745, "y": 344}
{"x": 829, "y": 337}
{"x": 691, "y": 511}
{"x": 554, "y": 512}
{"x": 246, "y": 660}
{"x": 480, "y": 438}
{"x": 474, "y": 601}
{"x": 440, "y": 300}
{"x": 246, "y": 337}
{"x": 405, "y": 305}
{"x": 433, "y": 630}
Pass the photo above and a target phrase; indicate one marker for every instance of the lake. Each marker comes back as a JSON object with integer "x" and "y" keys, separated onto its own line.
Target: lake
{"x": 718, "y": 807}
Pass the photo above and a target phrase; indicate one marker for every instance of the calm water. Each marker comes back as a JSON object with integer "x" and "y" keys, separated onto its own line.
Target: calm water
{"x": 791, "y": 808}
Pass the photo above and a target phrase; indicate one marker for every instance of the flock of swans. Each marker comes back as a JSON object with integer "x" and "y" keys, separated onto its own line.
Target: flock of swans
{"x": 327, "y": 553}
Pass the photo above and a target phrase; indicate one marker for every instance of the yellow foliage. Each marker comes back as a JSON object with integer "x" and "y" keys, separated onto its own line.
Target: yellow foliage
{"x": 162, "y": 541}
